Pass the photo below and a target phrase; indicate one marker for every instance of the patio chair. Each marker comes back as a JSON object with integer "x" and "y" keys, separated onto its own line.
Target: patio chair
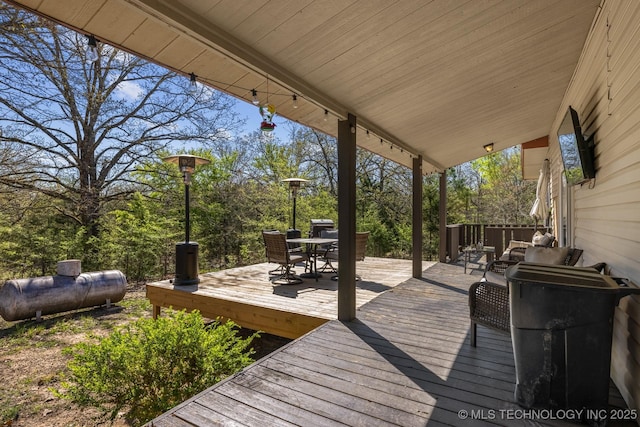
{"x": 323, "y": 250}
{"x": 278, "y": 252}
{"x": 494, "y": 271}
{"x": 361, "y": 249}
{"x": 489, "y": 301}
{"x": 489, "y": 306}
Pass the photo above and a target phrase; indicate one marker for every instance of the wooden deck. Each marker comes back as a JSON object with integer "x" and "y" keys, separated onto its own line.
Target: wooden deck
{"x": 405, "y": 361}
{"x": 246, "y": 296}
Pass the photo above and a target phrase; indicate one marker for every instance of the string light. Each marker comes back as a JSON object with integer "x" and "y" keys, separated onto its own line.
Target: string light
{"x": 295, "y": 104}
{"x": 193, "y": 84}
{"x": 92, "y": 49}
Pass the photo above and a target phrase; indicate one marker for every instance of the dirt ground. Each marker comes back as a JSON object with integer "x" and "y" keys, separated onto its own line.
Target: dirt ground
{"x": 32, "y": 363}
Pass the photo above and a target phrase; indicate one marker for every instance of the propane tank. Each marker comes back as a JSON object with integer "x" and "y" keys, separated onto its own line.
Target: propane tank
{"x": 27, "y": 298}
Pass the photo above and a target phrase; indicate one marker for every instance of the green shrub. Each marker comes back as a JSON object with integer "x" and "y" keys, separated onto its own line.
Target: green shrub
{"x": 149, "y": 366}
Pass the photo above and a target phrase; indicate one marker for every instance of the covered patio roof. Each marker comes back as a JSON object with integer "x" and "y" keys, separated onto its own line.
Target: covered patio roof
{"x": 439, "y": 79}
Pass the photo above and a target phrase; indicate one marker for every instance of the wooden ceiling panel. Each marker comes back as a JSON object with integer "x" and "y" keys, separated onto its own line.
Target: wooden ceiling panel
{"x": 111, "y": 21}
{"x": 138, "y": 40}
{"x": 438, "y": 78}
{"x": 180, "y": 53}
{"x": 78, "y": 12}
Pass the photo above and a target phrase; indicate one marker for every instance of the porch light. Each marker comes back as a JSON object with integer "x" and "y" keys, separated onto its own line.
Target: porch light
{"x": 295, "y": 101}
{"x": 254, "y": 94}
{"x": 488, "y": 147}
{"x": 326, "y": 115}
{"x": 187, "y": 251}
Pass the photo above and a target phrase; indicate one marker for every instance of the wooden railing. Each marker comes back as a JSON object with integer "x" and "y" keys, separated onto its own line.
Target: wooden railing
{"x": 497, "y": 235}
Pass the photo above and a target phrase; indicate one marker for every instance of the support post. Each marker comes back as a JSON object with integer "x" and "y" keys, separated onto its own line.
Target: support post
{"x": 417, "y": 217}
{"x": 442, "y": 214}
{"x": 347, "y": 218}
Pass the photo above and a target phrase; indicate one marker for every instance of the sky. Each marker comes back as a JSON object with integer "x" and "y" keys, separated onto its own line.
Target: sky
{"x": 251, "y": 113}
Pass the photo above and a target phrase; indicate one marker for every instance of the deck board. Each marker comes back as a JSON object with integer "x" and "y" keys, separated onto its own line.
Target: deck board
{"x": 405, "y": 361}
{"x": 246, "y": 296}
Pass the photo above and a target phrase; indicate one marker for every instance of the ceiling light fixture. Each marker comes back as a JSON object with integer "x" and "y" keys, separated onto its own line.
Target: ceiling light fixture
{"x": 326, "y": 115}
{"x": 488, "y": 147}
{"x": 295, "y": 101}
{"x": 254, "y": 94}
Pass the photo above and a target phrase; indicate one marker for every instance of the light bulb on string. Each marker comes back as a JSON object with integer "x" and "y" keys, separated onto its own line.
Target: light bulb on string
{"x": 193, "y": 84}
{"x": 92, "y": 49}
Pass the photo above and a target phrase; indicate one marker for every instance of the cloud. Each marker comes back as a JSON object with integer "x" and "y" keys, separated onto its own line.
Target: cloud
{"x": 129, "y": 90}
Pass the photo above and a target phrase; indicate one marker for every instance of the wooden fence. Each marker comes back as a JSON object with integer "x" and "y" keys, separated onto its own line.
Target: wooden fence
{"x": 497, "y": 235}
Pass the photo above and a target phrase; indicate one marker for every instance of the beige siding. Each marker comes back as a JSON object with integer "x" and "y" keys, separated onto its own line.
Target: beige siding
{"x": 605, "y": 91}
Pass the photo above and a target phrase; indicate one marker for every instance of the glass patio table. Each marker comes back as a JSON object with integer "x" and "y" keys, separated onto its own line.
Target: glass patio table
{"x": 312, "y": 244}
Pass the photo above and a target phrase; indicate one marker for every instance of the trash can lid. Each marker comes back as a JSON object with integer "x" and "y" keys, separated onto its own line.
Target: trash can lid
{"x": 561, "y": 275}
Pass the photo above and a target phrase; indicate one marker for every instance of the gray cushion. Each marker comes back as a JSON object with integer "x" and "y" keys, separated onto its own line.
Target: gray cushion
{"x": 540, "y": 239}
{"x": 542, "y": 255}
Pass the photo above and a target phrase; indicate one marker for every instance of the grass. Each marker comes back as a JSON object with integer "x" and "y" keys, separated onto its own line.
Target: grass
{"x": 34, "y": 364}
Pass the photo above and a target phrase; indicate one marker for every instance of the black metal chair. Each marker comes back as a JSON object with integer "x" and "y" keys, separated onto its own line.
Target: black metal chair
{"x": 323, "y": 250}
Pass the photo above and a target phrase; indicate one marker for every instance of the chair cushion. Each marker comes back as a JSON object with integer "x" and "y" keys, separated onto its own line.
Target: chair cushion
{"x": 544, "y": 255}
{"x": 540, "y": 239}
{"x": 513, "y": 244}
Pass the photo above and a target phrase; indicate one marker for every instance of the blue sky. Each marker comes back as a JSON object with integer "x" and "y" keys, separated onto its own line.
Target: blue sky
{"x": 251, "y": 113}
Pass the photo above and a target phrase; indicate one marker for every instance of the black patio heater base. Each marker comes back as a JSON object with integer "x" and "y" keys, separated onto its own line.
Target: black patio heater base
{"x": 186, "y": 264}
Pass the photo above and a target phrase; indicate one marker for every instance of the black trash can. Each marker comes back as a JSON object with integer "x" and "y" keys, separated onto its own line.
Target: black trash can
{"x": 561, "y": 328}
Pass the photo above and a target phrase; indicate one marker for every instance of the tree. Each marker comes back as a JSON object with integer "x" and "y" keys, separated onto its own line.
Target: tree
{"x": 502, "y": 194}
{"x": 79, "y": 128}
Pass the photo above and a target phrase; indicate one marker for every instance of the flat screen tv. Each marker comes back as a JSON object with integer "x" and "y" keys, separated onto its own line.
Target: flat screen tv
{"x": 577, "y": 152}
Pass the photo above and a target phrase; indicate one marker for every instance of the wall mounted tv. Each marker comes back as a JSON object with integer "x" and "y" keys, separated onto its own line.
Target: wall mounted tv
{"x": 577, "y": 152}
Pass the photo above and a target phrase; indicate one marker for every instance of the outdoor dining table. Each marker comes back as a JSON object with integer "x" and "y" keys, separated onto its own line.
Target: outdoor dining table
{"x": 312, "y": 244}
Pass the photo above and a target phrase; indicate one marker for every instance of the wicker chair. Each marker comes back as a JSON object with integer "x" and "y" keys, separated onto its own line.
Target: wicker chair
{"x": 489, "y": 301}
{"x": 489, "y": 306}
{"x": 277, "y": 251}
{"x": 361, "y": 249}
{"x": 516, "y": 255}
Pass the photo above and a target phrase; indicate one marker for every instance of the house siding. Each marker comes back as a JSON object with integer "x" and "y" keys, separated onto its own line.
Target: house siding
{"x": 605, "y": 91}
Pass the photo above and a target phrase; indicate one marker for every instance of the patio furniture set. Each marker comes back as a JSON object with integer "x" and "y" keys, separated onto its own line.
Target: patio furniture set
{"x": 286, "y": 250}
{"x": 559, "y": 317}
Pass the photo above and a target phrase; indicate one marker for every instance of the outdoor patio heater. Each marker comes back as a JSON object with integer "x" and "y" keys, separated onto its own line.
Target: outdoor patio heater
{"x": 187, "y": 251}
{"x": 294, "y": 186}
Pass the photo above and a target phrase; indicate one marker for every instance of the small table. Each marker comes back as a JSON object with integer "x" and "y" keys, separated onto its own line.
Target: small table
{"x": 312, "y": 249}
{"x": 467, "y": 256}
{"x": 489, "y": 251}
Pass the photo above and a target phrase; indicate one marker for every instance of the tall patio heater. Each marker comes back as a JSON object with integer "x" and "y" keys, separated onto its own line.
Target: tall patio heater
{"x": 294, "y": 186}
{"x": 187, "y": 251}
